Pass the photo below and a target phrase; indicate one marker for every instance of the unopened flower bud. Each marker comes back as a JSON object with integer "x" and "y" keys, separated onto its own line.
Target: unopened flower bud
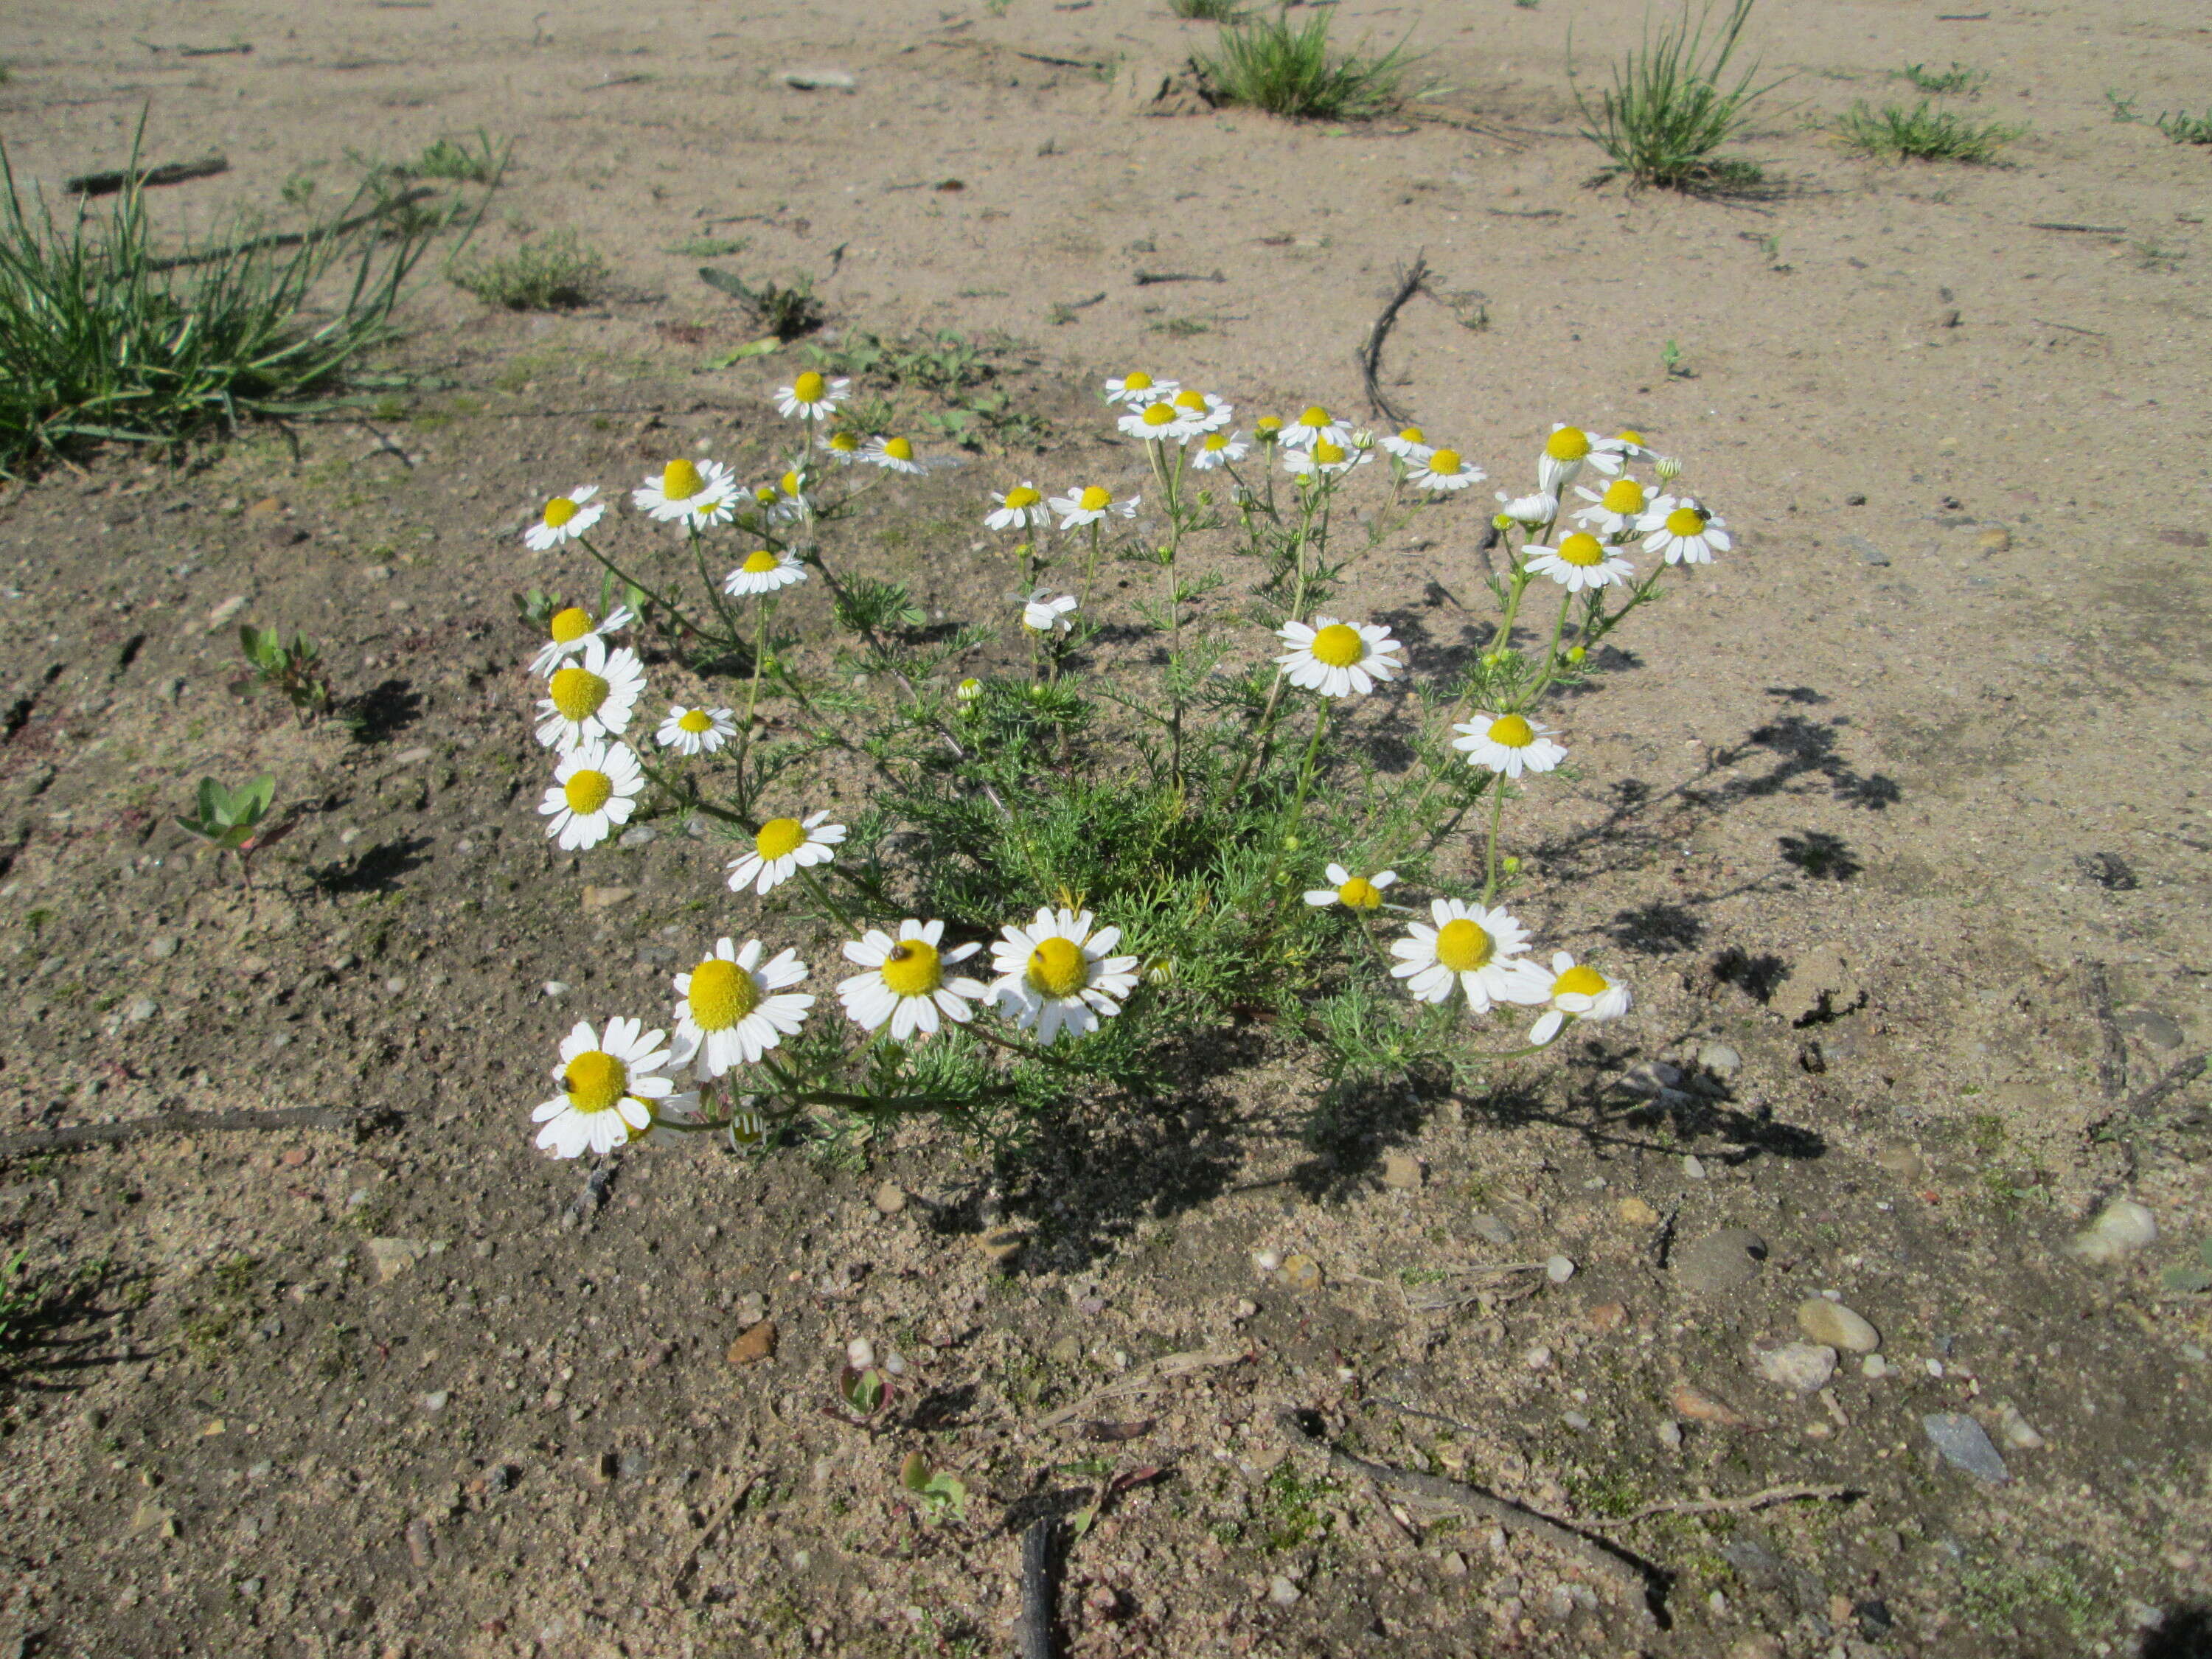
{"x": 1669, "y": 469}
{"x": 971, "y": 688}
{"x": 1511, "y": 865}
{"x": 1575, "y": 653}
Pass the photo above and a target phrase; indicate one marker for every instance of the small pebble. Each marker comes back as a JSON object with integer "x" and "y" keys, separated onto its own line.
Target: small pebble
{"x": 859, "y": 1353}
{"x": 1493, "y": 1229}
{"x": 638, "y": 834}
{"x": 1670, "y": 1434}
{"x": 1800, "y": 1366}
{"x": 1282, "y": 1592}
{"x": 1834, "y": 1325}
{"x": 555, "y": 989}
{"x": 1558, "y": 1269}
{"x": 1246, "y": 1308}
{"x": 1267, "y": 1261}
{"x": 138, "y": 1010}
{"x": 1718, "y": 1059}
{"x": 1965, "y": 1445}
{"x": 161, "y": 947}
{"x": 1538, "y": 1358}
{"x": 2121, "y": 1229}
{"x": 1575, "y": 1421}
{"x": 890, "y": 1198}
{"x": 1693, "y": 1166}
{"x": 1874, "y": 1367}
{"x": 436, "y": 1402}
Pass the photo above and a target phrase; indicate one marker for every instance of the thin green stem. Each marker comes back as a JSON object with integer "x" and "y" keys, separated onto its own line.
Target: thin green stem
{"x": 660, "y": 599}
{"x": 1496, "y": 812}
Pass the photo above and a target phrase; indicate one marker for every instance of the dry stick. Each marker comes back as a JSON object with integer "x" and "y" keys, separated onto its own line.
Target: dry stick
{"x": 1146, "y": 278}
{"x": 1629, "y": 1571}
{"x": 1411, "y": 279}
{"x": 2140, "y": 1103}
{"x": 1034, "y": 1629}
{"x": 292, "y": 238}
{"x": 1164, "y": 1368}
{"x": 182, "y": 1123}
{"x": 682, "y": 1582}
{"x": 1757, "y": 1500}
{"x": 2089, "y": 230}
{"x": 169, "y": 173}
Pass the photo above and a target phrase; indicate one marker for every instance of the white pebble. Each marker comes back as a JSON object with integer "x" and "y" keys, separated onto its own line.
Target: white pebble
{"x": 1935, "y": 1367}
{"x": 1267, "y": 1261}
{"x": 1558, "y": 1269}
{"x": 1693, "y": 1166}
{"x": 859, "y": 1353}
{"x": 1281, "y": 1591}
{"x": 1538, "y": 1357}
{"x": 555, "y": 988}
{"x": 1670, "y": 1435}
{"x": 1874, "y": 1366}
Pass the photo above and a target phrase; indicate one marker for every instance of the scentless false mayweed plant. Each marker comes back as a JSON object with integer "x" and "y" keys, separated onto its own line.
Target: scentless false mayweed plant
{"x": 1094, "y": 832}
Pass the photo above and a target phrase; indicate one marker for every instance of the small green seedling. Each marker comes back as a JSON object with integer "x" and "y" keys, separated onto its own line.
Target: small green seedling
{"x": 935, "y": 1494}
{"x": 786, "y": 313}
{"x": 231, "y": 820}
{"x": 866, "y": 1394}
{"x": 2186, "y": 129}
{"x": 1671, "y": 359}
{"x": 295, "y": 670}
{"x": 1960, "y": 77}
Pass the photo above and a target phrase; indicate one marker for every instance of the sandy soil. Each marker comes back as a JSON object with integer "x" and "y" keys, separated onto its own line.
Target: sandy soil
{"x": 1898, "y": 822}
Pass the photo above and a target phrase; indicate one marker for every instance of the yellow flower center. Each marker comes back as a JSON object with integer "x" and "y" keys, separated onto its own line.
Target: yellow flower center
{"x": 779, "y": 838}
{"x": 1137, "y": 381}
{"x": 595, "y": 1081}
{"x": 1463, "y": 946}
{"x": 1413, "y": 434}
{"x": 1622, "y": 495}
{"x": 558, "y": 512}
{"x": 1267, "y": 425}
{"x": 570, "y": 624}
{"x": 808, "y": 387}
{"x": 1579, "y": 981}
{"x": 1326, "y": 453}
{"x": 1582, "y": 548}
{"x": 845, "y": 443}
{"x": 1444, "y": 461}
{"x": 760, "y": 564}
{"x": 1685, "y": 521}
{"x": 1630, "y": 435}
{"x": 1020, "y": 496}
{"x": 898, "y": 449}
{"x": 1192, "y": 398}
{"x": 587, "y": 792}
{"x": 1216, "y": 440}
{"x": 577, "y": 692}
{"x": 912, "y": 968}
{"x": 1513, "y": 732}
{"x": 680, "y": 481}
{"x": 1057, "y": 967}
{"x": 791, "y": 483}
{"x": 722, "y": 993}
{"x": 695, "y": 720}
{"x": 1093, "y": 499}
{"x": 1158, "y": 415}
{"x": 1313, "y": 416}
{"x": 1360, "y": 894}
{"x": 1569, "y": 443}
{"x": 765, "y": 495}
{"x": 1339, "y": 645}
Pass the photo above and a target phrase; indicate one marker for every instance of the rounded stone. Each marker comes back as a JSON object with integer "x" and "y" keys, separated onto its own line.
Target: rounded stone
{"x": 1834, "y": 1325}
{"x": 1720, "y": 1262}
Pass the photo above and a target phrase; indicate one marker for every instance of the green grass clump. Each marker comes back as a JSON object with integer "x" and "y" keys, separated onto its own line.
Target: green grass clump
{"x": 1207, "y": 11}
{"x": 554, "y": 273}
{"x": 1922, "y": 133}
{"x": 479, "y": 161}
{"x": 1673, "y": 104}
{"x": 2186, "y": 129}
{"x": 1266, "y": 64}
{"x": 102, "y": 338}
{"x": 1960, "y": 77}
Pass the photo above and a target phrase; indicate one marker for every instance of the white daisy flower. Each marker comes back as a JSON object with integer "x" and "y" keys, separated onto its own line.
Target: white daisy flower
{"x": 728, "y": 1011}
{"x": 892, "y": 454}
{"x": 1324, "y": 457}
{"x": 1570, "y": 449}
{"x": 1511, "y": 744}
{"x": 764, "y": 572}
{"x": 842, "y": 446}
{"x": 564, "y": 518}
{"x": 783, "y": 846}
{"x": 1580, "y": 563}
{"x": 612, "y": 1090}
{"x": 1314, "y": 425}
{"x": 1680, "y": 529}
{"x": 1139, "y": 387}
{"x": 1443, "y": 471}
{"x": 696, "y": 731}
{"x": 698, "y": 496}
{"x": 570, "y": 628}
{"x": 905, "y": 983}
{"x": 1337, "y": 658}
{"x": 1628, "y": 444}
{"x": 1614, "y": 510}
{"x": 1160, "y": 421}
{"x": 591, "y": 698}
{"x": 1058, "y": 974}
{"x": 1529, "y": 511}
{"x": 1021, "y": 507}
{"x": 1218, "y": 448}
{"x": 1352, "y": 892}
{"x": 1408, "y": 443}
{"x": 595, "y": 789}
{"x": 811, "y": 397}
{"x": 1048, "y": 612}
{"x": 1201, "y": 411}
{"x": 1469, "y": 946}
{"x": 1090, "y": 505}
{"x": 1577, "y": 992}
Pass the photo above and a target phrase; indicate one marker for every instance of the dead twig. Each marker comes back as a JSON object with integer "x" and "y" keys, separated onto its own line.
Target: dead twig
{"x": 2086, "y": 230}
{"x": 1147, "y": 278}
{"x": 1628, "y": 1570}
{"x": 689, "y": 1572}
{"x": 406, "y": 199}
{"x": 177, "y": 1123}
{"x": 118, "y": 178}
{"x": 2112, "y": 1063}
{"x": 1034, "y": 1628}
{"x": 2185, "y": 1071}
{"x": 1411, "y": 280}
{"x": 1165, "y": 1369}
{"x": 1757, "y": 1500}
